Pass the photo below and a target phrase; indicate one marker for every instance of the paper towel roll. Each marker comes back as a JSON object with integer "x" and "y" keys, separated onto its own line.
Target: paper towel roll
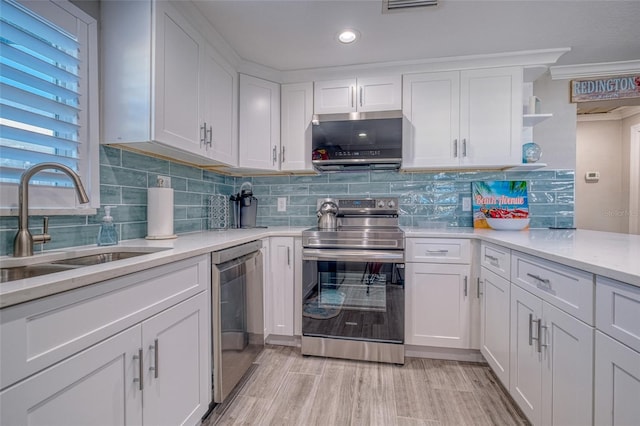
{"x": 160, "y": 214}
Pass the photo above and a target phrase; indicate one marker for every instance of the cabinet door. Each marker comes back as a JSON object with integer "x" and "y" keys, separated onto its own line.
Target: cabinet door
{"x": 259, "y": 123}
{"x": 334, "y": 97}
{"x": 525, "y": 372}
{"x": 177, "y": 374}
{"x": 431, "y": 105}
{"x": 567, "y": 371}
{"x": 178, "y": 51}
{"x": 494, "y": 323}
{"x": 296, "y": 114}
{"x": 379, "y": 93}
{"x": 219, "y": 109}
{"x": 280, "y": 286}
{"x": 617, "y": 383}
{"x": 93, "y": 387}
{"x": 437, "y": 305}
{"x": 491, "y": 116}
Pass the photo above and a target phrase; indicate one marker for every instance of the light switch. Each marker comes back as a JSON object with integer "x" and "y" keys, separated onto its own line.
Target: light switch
{"x": 282, "y": 204}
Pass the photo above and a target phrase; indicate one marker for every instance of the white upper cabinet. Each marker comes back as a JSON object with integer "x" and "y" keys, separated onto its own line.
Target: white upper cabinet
{"x": 296, "y": 112}
{"x": 219, "y": 103}
{"x": 462, "y": 118}
{"x": 358, "y": 95}
{"x": 259, "y": 123}
{"x": 162, "y": 88}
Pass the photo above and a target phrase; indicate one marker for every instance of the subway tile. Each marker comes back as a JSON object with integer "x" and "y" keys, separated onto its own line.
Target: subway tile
{"x": 542, "y": 221}
{"x": 565, "y": 174}
{"x": 179, "y": 212}
{"x": 421, "y": 177}
{"x": 130, "y": 214}
{"x": 564, "y": 197}
{"x": 196, "y": 212}
{"x": 349, "y": 177}
{"x": 541, "y": 197}
{"x": 8, "y": 222}
{"x": 389, "y": 176}
{"x": 72, "y": 236}
{"x": 189, "y": 225}
{"x": 6, "y": 241}
{"x": 224, "y": 189}
{"x": 530, "y": 175}
{"x": 559, "y": 185}
{"x": 181, "y": 170}
{"x": 272, "y": 221}
{"x": 110, "y": 194}
{"x": 366, "y": 189}
{"x": 186, "y": 198}
{"x": 214, "y": 177}
{"x": 133, "y": 196}
{"x": 133, "y": 230}
{"x": 61, "y": 220}
{"x": 271, "y": 180}
{"x": 329, "y": 190}
{"x": 324, "y": 178}
{"x": 122, "y": 177}
{"x": 151, "y": 165}
{"x": 178, "y": 183}
{"x": 303, "y": 200}
{"x": 470, "y": 176}
{"x": 201, "y": 186}
{"x": 290, "y": 189}
{"x": 309, "y": 221}
{"x": 401, "y": 187}
{"x": 110, "y": 156}
{"x": 291, "y": 211}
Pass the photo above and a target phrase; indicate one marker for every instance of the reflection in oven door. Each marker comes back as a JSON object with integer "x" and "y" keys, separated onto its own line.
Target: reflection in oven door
{"x": 354, "y": 300}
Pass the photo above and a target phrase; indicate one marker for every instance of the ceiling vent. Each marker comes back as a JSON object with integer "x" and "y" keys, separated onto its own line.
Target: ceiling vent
{"x": 398, "y": 5}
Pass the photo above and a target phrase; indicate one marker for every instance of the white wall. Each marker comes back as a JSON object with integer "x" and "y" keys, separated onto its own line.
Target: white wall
{"x": 556, "y": 135}
{"x": 627, "y": 124}
{"x": 600, "y": 206}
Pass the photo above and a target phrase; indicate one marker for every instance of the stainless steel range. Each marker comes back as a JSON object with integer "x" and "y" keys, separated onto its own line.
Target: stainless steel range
{"x": 353, "y": 281}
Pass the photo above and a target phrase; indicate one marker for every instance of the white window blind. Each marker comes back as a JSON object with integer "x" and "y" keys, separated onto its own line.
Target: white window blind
{"x": 45, "y": 94}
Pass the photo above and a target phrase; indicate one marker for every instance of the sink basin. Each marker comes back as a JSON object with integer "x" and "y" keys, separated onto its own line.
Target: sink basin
{"x": 28, "y": 267}
{"x": 94, "y": 259}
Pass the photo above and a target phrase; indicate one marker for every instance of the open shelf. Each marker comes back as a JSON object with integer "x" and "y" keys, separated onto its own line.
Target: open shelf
{"x": 530, "y": 120}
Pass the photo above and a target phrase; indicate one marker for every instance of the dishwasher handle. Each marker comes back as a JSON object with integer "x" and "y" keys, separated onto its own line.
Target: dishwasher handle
{"x": 223, "y": 256}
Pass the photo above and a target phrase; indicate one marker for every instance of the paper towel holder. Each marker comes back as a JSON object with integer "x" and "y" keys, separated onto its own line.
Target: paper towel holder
{"x": 163, "y": 183}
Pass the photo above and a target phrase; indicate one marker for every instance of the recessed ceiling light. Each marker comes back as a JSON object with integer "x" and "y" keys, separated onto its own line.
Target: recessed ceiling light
{"x": 348, "y": 36}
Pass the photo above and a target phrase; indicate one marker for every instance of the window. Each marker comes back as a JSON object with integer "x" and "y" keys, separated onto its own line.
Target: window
{"x": 48, "y": 103}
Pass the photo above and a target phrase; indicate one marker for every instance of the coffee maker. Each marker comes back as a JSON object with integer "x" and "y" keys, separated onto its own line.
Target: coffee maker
{"x": 244, "y": 207}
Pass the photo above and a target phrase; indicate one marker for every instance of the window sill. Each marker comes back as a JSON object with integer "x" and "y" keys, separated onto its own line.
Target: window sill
{"x": 51, "y": 212}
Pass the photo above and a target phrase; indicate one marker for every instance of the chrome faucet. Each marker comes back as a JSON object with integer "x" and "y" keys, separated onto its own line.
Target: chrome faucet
{"x": 23, "y": 243}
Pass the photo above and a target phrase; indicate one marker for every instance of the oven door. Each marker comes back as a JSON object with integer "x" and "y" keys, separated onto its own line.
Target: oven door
{"x": 353, "y": 294}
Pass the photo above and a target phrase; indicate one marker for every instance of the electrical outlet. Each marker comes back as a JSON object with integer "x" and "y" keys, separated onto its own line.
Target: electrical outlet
{"x": 282, "y": 204}
{"x": 466, "y": 204}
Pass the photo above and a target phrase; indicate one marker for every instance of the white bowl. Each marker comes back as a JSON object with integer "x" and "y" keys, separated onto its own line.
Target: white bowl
{"x": 508, "y": 224}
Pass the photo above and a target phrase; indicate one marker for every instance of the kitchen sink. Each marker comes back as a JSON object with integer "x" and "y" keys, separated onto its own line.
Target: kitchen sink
{"x": 29, "y": 267}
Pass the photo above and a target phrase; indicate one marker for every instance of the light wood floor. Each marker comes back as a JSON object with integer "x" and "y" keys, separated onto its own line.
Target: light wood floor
{"x": 285, "y": 388}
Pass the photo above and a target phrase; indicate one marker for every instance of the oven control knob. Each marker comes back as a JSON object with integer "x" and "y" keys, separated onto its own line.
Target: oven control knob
{"x": 391, "y": 204}
{"x": 380, "y": 204}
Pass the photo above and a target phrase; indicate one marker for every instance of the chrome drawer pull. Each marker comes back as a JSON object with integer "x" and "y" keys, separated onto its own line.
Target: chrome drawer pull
{"x": 154, "y": 367}
{"x": 531, "y": 338}
{"x": 478, "y": 291}
{"x": 537, "y": 277}
{"x": 546, "y": 336}
{"x": 495, "y": 259}
{"x": 465, "y": 286}
{"x": 437, "y": 251}
{"x": 140, "y": 368}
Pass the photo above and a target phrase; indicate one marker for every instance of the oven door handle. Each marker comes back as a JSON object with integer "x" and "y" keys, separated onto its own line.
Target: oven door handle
{"x": 382, "y": 256}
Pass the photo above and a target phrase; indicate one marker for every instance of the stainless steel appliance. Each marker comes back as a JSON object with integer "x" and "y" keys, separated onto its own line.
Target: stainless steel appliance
{"x": 245, "y": 207}
{"x": 353, "y": 283}
{"x": 363, "y": 144}
{"x": 236, "y": 314}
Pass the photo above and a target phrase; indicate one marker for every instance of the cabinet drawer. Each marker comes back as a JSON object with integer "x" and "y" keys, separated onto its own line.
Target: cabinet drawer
{"x": 569, "y": 289}
{"x": 618, "y": 311}
{"x": 45, "y": 331}
{"x": 496, "y": 259}
{"x": 438, "y": 250}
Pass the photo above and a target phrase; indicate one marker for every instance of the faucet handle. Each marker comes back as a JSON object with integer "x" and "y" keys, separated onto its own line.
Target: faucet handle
{"x": 44, "y": 237}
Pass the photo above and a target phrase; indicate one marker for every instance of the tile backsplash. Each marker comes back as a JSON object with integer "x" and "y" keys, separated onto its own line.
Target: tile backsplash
{"x": 426, "y": 199}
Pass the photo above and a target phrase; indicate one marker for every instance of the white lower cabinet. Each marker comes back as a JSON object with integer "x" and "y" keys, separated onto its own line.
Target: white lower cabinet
{"x": 279, "y": 288}
{"x": 437, "y": 305}
{"x": 551, "y": 362}
{"x": 495, "y": 322}
{"x": 617, "y": 383}
{"x": 153, "y": 373}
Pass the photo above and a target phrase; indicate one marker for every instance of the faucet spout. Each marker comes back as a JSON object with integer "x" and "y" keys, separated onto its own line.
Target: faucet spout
{"x": 23, "y": 242}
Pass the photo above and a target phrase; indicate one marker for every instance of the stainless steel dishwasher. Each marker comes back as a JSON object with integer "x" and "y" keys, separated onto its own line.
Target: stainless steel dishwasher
{"x": 236, "y": 314}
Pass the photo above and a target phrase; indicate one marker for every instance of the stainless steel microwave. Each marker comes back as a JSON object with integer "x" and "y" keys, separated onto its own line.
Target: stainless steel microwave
{"x": 364, "y": 144}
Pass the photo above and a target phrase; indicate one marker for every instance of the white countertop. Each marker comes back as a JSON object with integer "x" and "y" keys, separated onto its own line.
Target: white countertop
{"x": 608, "y": 254}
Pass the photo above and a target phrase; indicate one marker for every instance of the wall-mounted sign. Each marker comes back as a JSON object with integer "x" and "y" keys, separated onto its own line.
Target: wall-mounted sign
{"x": 600, "y": 89}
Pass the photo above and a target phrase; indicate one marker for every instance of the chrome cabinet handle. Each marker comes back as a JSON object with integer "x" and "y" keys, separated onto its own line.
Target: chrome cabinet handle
{"x": 203, "y": 136}
{"x": 210, "y": 131}
{"x": 361, "y": 90}
{"x": 275, "y": 154}
{"x": 466, "y": 287}
{"x": 464, "y": 147}
{"x": 352, "y": 89}
{"x": 140, "y": 369}
{"x": 478, "y": 291}
{"x": 491, "y": 257}
{"x": 288, "y": 256}
{"x": 455, "y": 148}
{"x": 282, "y": 155}
{"x": 156, "y": 356}
{"x": 539, "y": 278}
{"x": 437, "y": 251}
{"x": 531, "y": 338}
{"x": 540, "y": 344}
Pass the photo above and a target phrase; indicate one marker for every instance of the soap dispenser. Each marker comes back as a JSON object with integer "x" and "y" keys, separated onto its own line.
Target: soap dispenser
{"x": 107, "y": 235}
